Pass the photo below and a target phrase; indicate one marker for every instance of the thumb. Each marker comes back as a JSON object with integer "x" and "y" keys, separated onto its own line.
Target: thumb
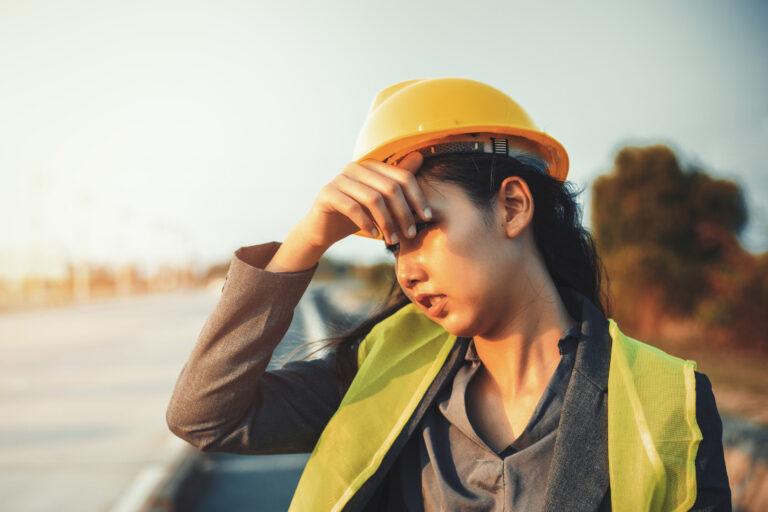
{"x": 412, "y": 161}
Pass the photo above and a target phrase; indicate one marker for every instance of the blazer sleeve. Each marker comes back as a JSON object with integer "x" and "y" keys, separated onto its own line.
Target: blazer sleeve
{"x": 713, "y": 491}
{"x": 224, "y": 399}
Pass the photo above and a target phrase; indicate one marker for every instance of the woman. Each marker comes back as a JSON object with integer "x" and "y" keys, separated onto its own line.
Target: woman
{"x": 491, "y": 379}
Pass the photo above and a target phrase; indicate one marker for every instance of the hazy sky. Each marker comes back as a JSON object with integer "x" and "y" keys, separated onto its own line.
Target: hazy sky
{"x": 159, "y": 131}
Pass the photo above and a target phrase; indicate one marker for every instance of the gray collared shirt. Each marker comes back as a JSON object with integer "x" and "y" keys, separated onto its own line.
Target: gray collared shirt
{"x": 456, "y": 467}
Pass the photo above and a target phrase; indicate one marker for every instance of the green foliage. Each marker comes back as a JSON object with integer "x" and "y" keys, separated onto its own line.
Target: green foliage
{"x": 663, "y": 230}
{"x": 640, "y": 201}
{"x": 717, "y": 202}
{"x": 648, "y": 200}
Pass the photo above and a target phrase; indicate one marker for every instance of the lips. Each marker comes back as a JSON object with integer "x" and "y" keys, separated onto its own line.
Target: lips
{"x": 433, "y": 303}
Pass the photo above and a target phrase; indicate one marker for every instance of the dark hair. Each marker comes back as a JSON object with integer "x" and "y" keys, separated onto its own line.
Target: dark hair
{"x": 566, "y": 247}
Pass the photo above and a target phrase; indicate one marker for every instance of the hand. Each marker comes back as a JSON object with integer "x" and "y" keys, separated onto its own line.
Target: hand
{"x": 371, "y": 196}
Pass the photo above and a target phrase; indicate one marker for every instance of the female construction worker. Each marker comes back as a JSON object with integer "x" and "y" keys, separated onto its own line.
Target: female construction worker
{"x": 491, "y": 379}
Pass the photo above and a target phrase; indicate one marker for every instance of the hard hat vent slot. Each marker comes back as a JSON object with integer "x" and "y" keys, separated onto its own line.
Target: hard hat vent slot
{"x": 500, "y": 146}
{"x": 450, "y": 147}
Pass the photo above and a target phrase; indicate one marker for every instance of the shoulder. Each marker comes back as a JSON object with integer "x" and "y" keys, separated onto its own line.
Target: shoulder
{"x": 706, "y": 408}
{"x": 707, "y": 415}
{"x": 400, "y": 330}
{"x": 714, "y": 492}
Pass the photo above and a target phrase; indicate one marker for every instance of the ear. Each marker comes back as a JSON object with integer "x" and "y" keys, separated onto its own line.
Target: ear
{"x": 515, "y": 203}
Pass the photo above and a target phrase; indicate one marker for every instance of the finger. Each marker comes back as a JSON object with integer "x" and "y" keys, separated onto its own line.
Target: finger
{"x": 406, "y": 180}
{"x": 352, "y": 210}
{"x": 373, "y": 201}
{"x": 412, "y": 161}
{"x": 391, "y": 191}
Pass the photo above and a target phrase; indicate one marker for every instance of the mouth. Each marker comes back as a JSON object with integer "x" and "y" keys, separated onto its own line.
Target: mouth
{"x": 434, "y": 304}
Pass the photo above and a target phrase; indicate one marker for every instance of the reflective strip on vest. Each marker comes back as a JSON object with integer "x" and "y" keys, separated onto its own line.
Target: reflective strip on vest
{"x": 652, "y": 430}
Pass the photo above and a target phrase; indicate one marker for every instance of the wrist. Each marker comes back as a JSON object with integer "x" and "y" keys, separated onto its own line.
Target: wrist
{"x": 297, "y": 253}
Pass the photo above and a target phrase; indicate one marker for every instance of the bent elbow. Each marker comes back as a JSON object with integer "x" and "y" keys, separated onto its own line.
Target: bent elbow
{"x": 190, "y": 431}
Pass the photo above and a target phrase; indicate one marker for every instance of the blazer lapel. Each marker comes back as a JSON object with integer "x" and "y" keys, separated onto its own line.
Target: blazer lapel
{"x": 578, "y": 478}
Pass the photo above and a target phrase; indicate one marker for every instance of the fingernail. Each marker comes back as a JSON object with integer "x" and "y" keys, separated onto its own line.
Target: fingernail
{"x": 411, "y": 231}
{"x": 375, "y": 233}
{"x": 428, "y": 212}
{"x": 393, "y": 238}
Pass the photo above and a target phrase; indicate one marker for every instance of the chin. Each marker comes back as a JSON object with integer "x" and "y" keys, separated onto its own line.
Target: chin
{"x": 455, "y": 327}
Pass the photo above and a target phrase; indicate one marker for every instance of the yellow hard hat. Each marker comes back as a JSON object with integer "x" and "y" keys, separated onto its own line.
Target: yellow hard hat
{"x": 418, "y": 114}
{"x": 444, "y": 115}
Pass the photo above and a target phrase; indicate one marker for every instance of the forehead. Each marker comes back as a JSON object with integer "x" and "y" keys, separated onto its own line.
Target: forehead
{"x": 442, "y": 192}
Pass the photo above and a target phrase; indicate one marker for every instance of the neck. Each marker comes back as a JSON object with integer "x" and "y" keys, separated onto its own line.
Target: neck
{"x": 521, "y": 355}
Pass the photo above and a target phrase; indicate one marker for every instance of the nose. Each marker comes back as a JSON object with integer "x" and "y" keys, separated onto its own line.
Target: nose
{"x": 409, "y": 269}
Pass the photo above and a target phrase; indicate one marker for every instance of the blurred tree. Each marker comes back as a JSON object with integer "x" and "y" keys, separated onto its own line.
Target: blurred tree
{"x": 651, "y": 223}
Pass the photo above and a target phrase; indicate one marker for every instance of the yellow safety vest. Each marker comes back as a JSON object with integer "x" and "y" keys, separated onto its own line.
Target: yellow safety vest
{"x": 652, "y": 442}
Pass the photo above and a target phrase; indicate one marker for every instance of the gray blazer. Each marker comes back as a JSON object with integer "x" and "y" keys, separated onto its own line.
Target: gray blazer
{"x": 224, "y": 400}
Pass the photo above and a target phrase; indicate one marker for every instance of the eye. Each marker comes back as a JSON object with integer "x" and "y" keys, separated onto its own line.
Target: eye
{"x": 394, "y": 248}
{"x": 422, "y": 225}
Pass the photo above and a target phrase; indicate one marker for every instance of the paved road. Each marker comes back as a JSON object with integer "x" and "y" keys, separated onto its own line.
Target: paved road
{"x": 83, "y": 394}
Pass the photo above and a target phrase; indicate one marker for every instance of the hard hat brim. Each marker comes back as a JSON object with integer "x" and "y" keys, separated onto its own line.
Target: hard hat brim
{"x": 548, "y": 148}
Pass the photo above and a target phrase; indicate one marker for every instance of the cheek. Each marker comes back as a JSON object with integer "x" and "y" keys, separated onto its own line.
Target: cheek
{"x": 471, "y": 270}
{"x": 472, "y": 255}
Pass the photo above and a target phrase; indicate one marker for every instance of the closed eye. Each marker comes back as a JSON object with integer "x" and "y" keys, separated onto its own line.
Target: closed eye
{"x": 394, "y": 248}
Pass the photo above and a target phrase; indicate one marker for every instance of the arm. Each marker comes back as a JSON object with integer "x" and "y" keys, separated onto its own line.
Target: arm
{"x": 713, "y": 491}
{"x": 223, "y": 399}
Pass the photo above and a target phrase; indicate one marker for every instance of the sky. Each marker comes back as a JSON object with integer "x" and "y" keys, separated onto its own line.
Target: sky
{"x": 162, "y": 132}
